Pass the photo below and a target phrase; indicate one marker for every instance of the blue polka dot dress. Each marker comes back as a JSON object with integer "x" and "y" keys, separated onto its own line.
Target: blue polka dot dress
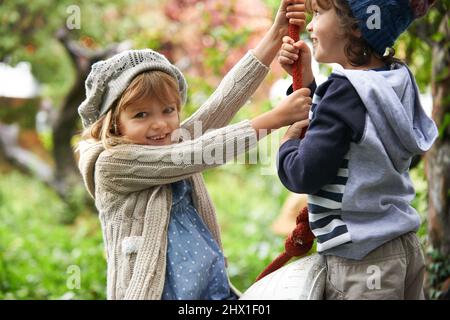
{"x": 195, "y": 268}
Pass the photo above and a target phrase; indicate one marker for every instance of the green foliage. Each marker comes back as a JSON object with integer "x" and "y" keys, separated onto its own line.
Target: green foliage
{"x": 273, "y": 5}
{"x": 246, "y": 203}
{"x": 420, "y": 202}
{"x": 438, "y": 271}
{"x": 444, "y": 125}
{"x": 36, "y": 251}
{"x": 426, "y": 48}
{"x": 28, "y": 33}
{"x": 23, "y": 114}
{"x": 417, "y": 55}
{"x": 437, "y": 265}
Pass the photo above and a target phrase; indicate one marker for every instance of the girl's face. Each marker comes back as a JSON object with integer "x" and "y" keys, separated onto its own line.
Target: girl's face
{"x": 149, "y": 122}
{"x": 328, "y": 43}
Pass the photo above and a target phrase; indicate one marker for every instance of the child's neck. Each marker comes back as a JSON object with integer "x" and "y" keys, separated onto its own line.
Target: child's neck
{"x": 374, "y": 63}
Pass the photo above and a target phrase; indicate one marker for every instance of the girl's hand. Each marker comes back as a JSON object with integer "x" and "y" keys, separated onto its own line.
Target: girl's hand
{"x": 293, "y": 108}
{"x": 295, "y": 130}
{"x": 289, "y": 54}
{"x": 290, "y": 11}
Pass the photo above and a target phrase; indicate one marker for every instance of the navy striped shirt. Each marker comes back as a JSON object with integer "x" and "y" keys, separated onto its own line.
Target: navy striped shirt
{"x": 318, "y": 164}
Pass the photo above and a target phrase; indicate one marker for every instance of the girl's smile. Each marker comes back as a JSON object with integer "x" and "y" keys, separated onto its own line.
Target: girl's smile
{"x": 149, "y": 122}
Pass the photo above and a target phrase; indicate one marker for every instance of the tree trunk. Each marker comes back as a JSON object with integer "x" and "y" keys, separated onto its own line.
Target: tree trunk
{"x": 437, "y": 167}
{"x": 24, "y": 160}
{"x": 66, "y": 175}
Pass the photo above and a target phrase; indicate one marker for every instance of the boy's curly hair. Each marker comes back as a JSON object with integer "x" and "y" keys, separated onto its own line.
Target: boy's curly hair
{"x": 357, "y": 50}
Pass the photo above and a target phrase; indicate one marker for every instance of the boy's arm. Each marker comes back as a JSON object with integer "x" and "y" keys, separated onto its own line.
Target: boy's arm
{"x": 305, "y": 166}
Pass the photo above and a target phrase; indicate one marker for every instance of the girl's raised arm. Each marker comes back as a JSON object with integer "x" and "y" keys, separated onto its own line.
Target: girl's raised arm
{"x": 246, "y": 76}
{"x": 130, "y": 168}
{"x": 232, "y": 93}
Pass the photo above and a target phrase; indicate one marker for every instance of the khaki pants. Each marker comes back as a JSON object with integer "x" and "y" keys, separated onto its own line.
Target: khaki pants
{"x": 395, "y": 270}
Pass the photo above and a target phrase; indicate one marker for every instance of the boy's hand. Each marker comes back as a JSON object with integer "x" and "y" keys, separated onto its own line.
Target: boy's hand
{"x": 289, "y": 54}
{"x": 295, "y": 131}
{"x": 290, "y": 11}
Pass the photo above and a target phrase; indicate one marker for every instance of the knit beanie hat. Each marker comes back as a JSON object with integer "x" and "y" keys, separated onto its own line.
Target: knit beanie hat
{"x": 394, "y": 18}
{"x": 109, "y": 78}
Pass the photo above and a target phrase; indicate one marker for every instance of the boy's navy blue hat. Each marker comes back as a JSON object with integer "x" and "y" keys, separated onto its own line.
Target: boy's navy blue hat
{"x": 394, "y": 18}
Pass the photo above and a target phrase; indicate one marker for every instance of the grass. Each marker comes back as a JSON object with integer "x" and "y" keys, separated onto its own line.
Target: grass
{"x": 38, "y": 253}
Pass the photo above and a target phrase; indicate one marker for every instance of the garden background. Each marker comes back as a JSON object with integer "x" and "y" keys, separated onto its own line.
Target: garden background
{"x": 50, "y": 238}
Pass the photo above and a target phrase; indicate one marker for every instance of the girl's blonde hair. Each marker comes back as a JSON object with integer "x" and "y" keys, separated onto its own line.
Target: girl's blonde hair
{"x": 357, "y": 50}
{"x": 155, "y": 84}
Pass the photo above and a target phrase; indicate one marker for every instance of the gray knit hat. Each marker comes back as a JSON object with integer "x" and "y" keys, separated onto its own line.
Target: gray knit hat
{"x": 109, "y": 78}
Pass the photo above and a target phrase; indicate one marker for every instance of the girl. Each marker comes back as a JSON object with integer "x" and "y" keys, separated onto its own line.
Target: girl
{"x": 366, "y": 124}
{"x": 144, "y": 169}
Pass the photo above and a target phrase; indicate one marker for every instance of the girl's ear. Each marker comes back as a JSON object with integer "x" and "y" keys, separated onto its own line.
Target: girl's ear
{"x": 115, "y": 126}
{"x": 116, "y": 115}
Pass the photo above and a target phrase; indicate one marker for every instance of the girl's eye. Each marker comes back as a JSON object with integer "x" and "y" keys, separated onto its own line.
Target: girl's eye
{"x": 169, "y": 110}
{"x": 140, "y": 115}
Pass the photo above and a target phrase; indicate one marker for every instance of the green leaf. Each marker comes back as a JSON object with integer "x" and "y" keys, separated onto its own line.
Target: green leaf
{"x": 444, "y": 125}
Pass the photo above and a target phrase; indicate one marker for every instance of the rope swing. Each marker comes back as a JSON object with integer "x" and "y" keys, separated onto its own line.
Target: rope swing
{"x": 301, "y": 239}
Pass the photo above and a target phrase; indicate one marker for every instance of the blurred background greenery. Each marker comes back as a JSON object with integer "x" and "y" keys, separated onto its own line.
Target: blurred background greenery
{"x": 43, "y": 231}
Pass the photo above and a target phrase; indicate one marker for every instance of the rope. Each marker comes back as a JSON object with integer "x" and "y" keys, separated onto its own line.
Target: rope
{"x": 301, "y": 239}
{"x": 297, "y": 244}
{"x": 294, "y": 33}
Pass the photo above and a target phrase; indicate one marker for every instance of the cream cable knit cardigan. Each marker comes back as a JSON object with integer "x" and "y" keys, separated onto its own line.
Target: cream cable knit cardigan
{"x": 131, "y": 185}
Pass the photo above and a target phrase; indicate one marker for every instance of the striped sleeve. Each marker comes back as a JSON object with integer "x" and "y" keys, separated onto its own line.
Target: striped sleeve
{"x": 324, "y": 211}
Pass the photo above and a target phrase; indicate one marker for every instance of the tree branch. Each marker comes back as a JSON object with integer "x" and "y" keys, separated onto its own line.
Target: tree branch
{"x": 22, "y": 158}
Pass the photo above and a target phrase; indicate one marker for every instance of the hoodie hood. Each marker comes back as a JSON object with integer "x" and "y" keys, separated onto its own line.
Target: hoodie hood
{"x": 89, "y": 153}
{"x": 392, "y": 102}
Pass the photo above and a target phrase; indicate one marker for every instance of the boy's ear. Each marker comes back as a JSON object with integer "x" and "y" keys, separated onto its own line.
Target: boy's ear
{"x": 357, "y": 33}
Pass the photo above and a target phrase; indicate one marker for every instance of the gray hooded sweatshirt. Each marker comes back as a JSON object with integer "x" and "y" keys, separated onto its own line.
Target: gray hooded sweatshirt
{"x": 353, "y": 162}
